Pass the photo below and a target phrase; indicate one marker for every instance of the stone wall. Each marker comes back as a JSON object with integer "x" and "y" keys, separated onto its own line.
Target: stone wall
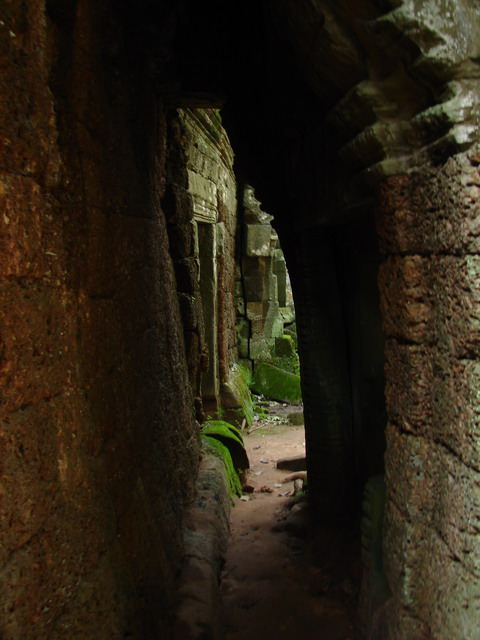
{"x": 428, "y": 223}
{"x": 98, "y": 440}
{"x": 264, "y": 297}
{"x": 211, "y": 187}
{"x": 103, "y": 316}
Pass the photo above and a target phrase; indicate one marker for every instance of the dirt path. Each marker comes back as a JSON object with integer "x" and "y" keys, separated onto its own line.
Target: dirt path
{"x": 281, "y": 582}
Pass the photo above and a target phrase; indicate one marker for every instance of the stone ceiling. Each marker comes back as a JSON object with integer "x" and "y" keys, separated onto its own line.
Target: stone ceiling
{"x": 335, "y": 92}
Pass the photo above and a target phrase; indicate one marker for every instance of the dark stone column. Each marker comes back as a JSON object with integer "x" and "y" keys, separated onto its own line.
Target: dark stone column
{"x": 429, "y": 224}
{"x": 325, "y": 374}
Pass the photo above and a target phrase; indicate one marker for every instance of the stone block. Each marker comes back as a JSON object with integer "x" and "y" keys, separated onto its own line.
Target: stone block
{"x": 252, "y": 209}
{"x": 243, "y": 348}
{"x": 420, "y": 571}
{"x": 294, "y": 463}
{"x": 240, "y": 306}
{"x": 408, "y": 388}
{"x": 455, "y": 293}
{"x": 405, "y": 298}
{"x": 287, "y": 314}
{"x": 428, "y": 299}
{"x": 258, "y": 240}
{"x": 235, "y": 394}
{"x": 257, "y": 287}
{"x": 280, "y": 270}
{"x": 204, "y": 196}
{"x": 275, "y": 383}
{"x": 275, "y": 324}
{"x": 455, "y": 408}
{"x": 284, "y": 346}
{"x": 432, "y": 517}
{"x": 260, "y": 349}
{"x": 221, "y": 239}
{"x": 296, "y": 418}
{"x": 205, "y": 537}
{"x": 256, "y": 311}
{"x": 243, "y": 328}
{"x": 273, "y": 289}
{"x": 434, "y": 210}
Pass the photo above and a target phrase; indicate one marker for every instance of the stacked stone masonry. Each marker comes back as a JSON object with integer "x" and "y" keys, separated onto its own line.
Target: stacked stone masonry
{"x": 264, "y": 297}
{"x": 106, "y": 191}
{"x": 429, "y": 283}
{"x": 94, "y": 471}
{"x": 209, "y": 188}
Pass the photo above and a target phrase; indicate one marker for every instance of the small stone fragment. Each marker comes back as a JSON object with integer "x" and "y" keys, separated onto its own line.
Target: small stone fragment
{"x": 264, "y": 460}
{"x": 296, "y": 463}
{"x": 266, "y": 489}
{"x": 297, "y": 486}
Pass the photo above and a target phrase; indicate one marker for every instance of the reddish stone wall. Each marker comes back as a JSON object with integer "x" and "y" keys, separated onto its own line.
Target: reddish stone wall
{"x": 204, "y": 193}
{"x": 97, "y": 431}
{"x": 177, "y": 202}
{"x": 430, "y": 286}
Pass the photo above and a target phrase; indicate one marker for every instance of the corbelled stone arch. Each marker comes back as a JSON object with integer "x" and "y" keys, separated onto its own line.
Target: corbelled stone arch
{"x": 379, "y": 131}
{"x": 356, "y": 123}
{"x": 332, "y": 107}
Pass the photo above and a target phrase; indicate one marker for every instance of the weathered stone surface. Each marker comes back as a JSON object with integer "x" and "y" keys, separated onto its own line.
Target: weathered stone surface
{"x": 95, "y": 422}
{"x": 258, "y": 240}
{"x": 276, "y": 383}
{"x": 407, "y": 310}
{"x": 236, "y": 396}
{"x": 95, "y": 378}
{"x": 284, "y": 346}
{"x": 296, "y": 418}
{"x": 262, "y": 266}
{"x": 211, "y": 185}
{"x": 199, "y": 613}
{"x": 408, "y": 391}
{"x": 295, "y": 463}
{"x": 435, "y": 210}
{"x": 430, "y": 300}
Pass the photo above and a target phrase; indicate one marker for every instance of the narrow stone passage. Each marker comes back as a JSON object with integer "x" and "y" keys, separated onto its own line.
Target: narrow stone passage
{"x": 282, "y": 579}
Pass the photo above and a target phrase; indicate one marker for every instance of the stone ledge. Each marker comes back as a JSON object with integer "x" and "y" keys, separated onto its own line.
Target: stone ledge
{"x": 199, "y": 612}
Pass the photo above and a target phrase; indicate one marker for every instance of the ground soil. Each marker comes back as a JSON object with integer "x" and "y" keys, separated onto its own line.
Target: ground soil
{"x": 284, "y": 578}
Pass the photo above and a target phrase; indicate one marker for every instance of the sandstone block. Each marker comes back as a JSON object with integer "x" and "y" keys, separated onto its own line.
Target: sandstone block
{"x": 276, "y": 383}
{"x": 258, "y": 240}
{"x": 284, "y": 346}
{"x": 405, "y": 298}
{"x": 408, "y": 387}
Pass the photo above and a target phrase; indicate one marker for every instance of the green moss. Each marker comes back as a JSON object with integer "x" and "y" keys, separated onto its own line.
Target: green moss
{"x": 284, "y": 345}
{"x": 291, "y": 331}
{"x": 288, "y": 363}
{"x": 236, "y": 397}
{"x": 215, "y": 447}
{"x": 223, "y": 429}
{"x": 231, "y": 438}
{"x": 276, "y": 383}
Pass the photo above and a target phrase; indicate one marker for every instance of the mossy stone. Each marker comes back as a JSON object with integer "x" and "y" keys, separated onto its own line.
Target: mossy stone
{"x": 214, "y": 446}
{"x": 231, "y": 438}
{"x": 236, "y": 395}
{"x": 276, "y": 383}
{"x": 296, "y": 418}
{"x": 284, "y": 346}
